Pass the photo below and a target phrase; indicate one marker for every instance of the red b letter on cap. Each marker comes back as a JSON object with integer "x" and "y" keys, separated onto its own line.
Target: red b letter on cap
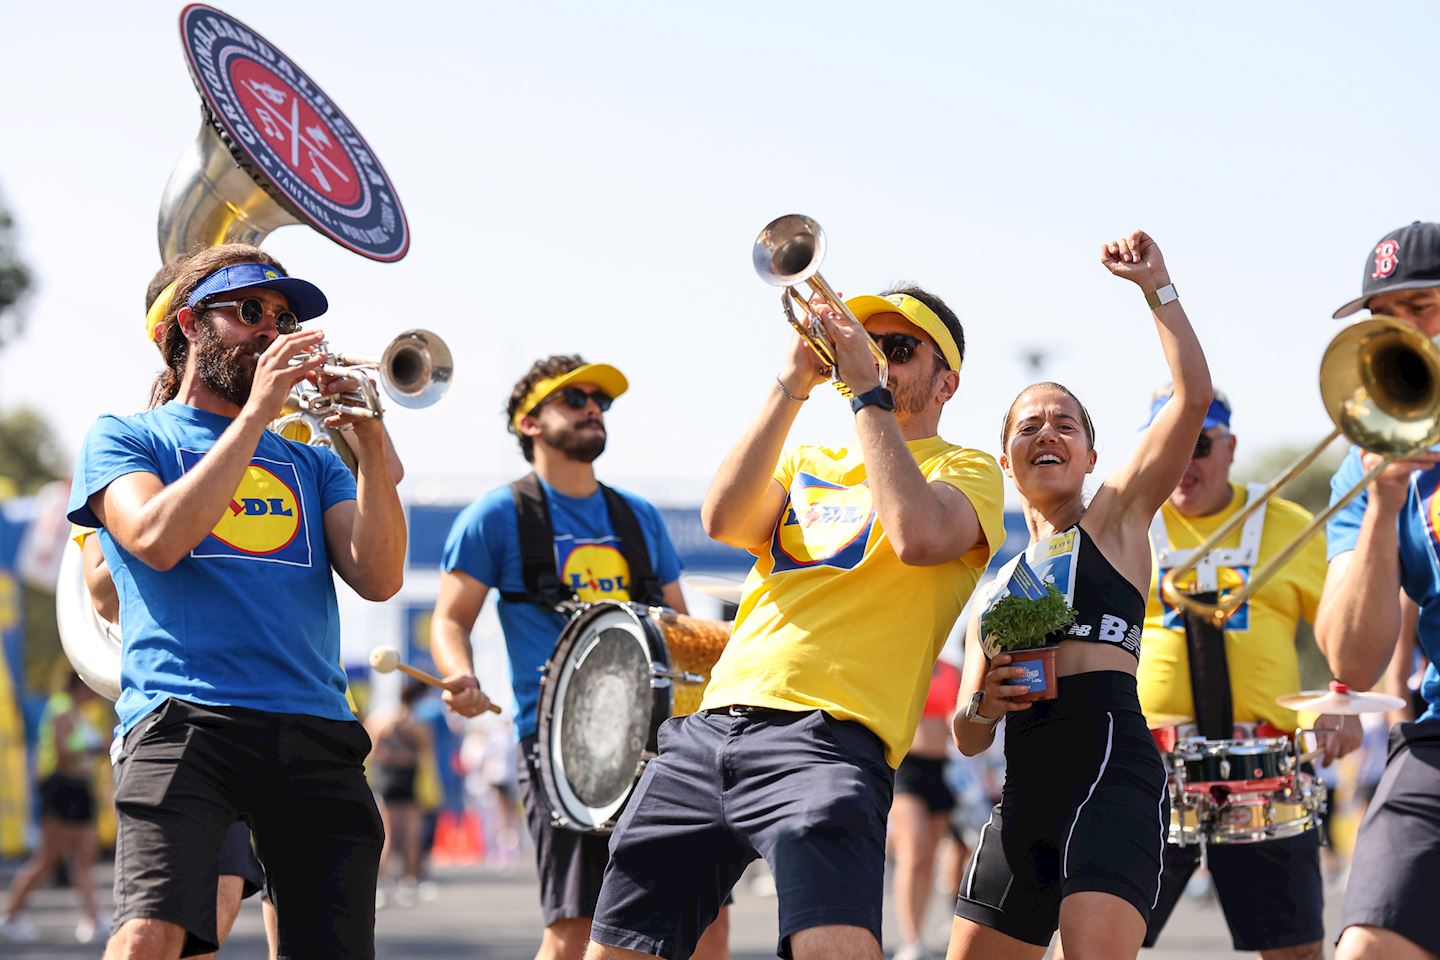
{"x": 1387, "y": 257}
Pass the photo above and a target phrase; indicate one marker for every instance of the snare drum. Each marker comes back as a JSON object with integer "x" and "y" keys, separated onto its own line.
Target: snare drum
{"x": 1240, "y": 791}
{"x": 619, "y": 670}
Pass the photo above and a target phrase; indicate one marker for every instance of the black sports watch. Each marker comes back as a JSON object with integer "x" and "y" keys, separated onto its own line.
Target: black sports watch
{"x": 874, "y": 397}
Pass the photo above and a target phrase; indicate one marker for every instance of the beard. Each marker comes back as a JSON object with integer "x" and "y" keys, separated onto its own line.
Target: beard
{"x": 580, "y": 446}
{"x": 912, "y": 396}
{"x": 227, "y": 370}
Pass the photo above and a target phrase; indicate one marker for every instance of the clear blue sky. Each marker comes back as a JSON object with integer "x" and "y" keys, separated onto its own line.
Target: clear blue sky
{"x": 589, "y": 178}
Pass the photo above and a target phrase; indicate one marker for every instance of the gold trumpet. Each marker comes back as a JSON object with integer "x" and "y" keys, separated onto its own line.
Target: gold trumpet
{"x": 1380, "y": 382}
{"x": 788, "y": 252}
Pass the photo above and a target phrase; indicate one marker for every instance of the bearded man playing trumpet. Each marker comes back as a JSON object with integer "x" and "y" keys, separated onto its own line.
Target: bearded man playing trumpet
{"x": 865, "y": 557}
{"x": 221, "y": 537}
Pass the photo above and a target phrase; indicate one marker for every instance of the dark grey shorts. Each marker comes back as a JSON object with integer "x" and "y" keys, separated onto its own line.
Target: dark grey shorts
{"x": 1397, "y": 851}
{"x": 186, "y": 773}
{"x": 807, "y": 792}
{"x": 571, "y": 864}
{"x": 1271, "y": 893}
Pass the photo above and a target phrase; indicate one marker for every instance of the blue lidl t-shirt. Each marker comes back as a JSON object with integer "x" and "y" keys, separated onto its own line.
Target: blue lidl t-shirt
{"x": 484, "y": 542}
{"x": 1419, "y": 529}
{"x": 248, "y": 618}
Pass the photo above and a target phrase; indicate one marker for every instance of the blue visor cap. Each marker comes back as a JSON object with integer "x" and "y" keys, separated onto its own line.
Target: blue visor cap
{"x": 1217, "y": 416}
{"x": 305, "y": 299}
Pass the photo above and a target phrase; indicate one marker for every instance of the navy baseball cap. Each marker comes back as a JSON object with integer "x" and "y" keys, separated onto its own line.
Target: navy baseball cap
{"x": 306, "y": 300}
{"x": 1217, "y": 416}
{"x": 1404, "y": 259}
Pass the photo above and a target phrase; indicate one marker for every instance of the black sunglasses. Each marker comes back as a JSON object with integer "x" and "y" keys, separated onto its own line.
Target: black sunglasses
{"x": 1203, "y": 444}
{"x": 251, "y": 311}
{"x": 575, "y": 398}
{"x": 900, "y": 347}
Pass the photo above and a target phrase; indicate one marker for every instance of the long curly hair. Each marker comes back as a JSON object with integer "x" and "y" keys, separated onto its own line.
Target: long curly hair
{"x": 187, "y": 270}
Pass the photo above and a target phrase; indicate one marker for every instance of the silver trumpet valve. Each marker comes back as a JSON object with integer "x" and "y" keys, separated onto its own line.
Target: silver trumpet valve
{"x": 416, "y": 370}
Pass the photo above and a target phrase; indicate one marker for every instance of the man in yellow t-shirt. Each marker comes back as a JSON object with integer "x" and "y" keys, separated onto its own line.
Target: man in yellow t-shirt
{"x": 1227, "y": 681}
{"x": 864, "y": 558}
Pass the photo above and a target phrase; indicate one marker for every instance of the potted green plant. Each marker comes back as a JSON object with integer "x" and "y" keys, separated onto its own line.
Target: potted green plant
{"x": 1019, "y": 623}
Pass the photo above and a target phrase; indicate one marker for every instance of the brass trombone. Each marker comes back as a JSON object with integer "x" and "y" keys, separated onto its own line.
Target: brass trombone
{"x": 1380, "y": 382}
{"x": 788, "y": 252}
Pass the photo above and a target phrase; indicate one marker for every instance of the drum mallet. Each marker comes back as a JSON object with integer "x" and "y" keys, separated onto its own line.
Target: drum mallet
{"x": 385, "y": 660}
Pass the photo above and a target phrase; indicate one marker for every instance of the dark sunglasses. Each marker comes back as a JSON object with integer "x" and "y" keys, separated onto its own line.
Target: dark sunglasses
{"x": 575, "y": 398}
{"x": 900, "y": 347}
{"x": 1203, "y": 445}
{"x": 251, "y": 311}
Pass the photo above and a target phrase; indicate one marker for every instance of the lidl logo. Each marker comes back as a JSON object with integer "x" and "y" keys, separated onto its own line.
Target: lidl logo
{"x": 271, "y": 275}
{"x": 265, "y": 519}
{"x": 594, "y": 570}
{"x": 823, "y": 524}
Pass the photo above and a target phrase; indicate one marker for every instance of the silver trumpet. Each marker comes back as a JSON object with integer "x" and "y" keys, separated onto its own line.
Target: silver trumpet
{"x": 788, "y": 252}
{"x": 415, "y": 370}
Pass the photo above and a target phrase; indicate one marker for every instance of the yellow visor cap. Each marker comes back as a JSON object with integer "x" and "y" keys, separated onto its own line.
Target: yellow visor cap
{"x": 604, "y": 376}
{"x": 866, "y": 306}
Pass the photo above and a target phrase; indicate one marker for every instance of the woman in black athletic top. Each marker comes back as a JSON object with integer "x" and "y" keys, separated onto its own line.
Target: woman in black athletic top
{"x": 1077, "y": 837}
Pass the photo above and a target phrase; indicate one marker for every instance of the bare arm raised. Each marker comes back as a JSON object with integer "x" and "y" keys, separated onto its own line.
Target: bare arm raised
{"x": 1131, "y": 495}
{"x": 744, "y": 501}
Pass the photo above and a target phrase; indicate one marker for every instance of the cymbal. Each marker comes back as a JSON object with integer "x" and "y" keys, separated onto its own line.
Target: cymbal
{"x": 1340, "y": 699}
{"x": 1157, "y": 720}
{"x": 721, "y": 588}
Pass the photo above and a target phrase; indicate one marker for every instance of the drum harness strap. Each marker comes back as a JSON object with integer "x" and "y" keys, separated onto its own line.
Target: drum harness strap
{"x": 1204, "y": 643}
{"x": 543, "y": 586}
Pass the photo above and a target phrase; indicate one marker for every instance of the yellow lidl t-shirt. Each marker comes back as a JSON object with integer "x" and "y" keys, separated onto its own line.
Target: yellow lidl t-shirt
{"x": 830, "y": 618}
{"x": 1259, "y": 638}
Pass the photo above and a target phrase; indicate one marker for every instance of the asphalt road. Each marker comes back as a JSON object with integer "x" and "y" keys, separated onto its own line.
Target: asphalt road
{"x": 482, "y": 914}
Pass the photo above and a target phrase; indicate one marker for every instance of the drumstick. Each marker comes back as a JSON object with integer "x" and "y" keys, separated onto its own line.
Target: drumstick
{"x": 385, "y": 659}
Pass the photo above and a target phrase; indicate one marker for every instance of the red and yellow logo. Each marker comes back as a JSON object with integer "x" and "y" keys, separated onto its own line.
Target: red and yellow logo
{"x": 264, "y": 520}
{"x": 263, "y": 516}
{"x": 596, "y": 571}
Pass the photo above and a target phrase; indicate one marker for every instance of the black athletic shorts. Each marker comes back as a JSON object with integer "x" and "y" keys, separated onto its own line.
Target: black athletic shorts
{"x": 924, "y": 777}
{"x": 187, "y": 772}
{"x": 571, "y": 864}
{"x": 809, "y": 793}
{"x": 1271, "y": 893}
{"x": 1397, "y": 851}
{"x": 1085, "y": 807}
{"x": 237, "y": 859}
{"x": 67, "y": 799}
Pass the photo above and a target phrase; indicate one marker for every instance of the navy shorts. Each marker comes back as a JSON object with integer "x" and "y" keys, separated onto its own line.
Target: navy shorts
{"x": 1085, "y": 808}
{"x": 1271, "y": 893}
{"x": 1397, "y": 851}
{"x": 237, "y": 859}
{"x": 807, "y": 792}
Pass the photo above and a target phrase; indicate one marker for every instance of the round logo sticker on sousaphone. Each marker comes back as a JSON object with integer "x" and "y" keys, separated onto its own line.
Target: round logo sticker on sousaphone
{"x": 299, "y": 146}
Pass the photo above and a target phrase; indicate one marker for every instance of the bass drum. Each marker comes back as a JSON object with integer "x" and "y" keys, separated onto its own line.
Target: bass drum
{"x": 90, "y": 641}
{"x": 619, "y": 670}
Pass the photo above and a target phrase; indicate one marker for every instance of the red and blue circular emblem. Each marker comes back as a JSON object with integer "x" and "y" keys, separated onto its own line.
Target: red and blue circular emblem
{"x": 293, "y": 135}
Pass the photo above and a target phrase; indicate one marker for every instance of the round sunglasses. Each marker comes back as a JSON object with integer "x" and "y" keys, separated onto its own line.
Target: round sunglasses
{"x": 251, "y": 311}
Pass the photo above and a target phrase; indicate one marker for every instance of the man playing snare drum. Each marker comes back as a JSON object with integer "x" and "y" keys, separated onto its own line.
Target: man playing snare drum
{"x": 1227, "y": 682}
{"x": 864, "y": 559}
{"x": 554, "y": 536}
